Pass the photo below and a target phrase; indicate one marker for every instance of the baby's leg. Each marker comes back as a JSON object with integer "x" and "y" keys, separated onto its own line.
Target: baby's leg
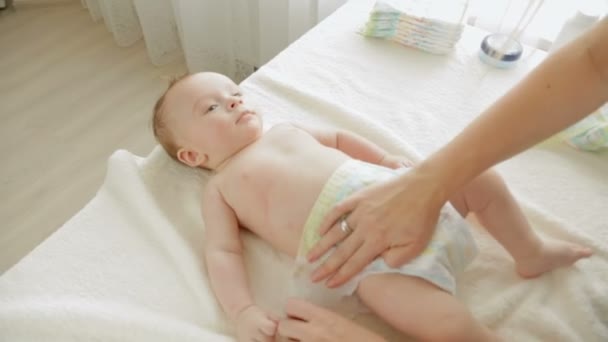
{"x": 420, "y": 309}
{"x": 488, "y": 197}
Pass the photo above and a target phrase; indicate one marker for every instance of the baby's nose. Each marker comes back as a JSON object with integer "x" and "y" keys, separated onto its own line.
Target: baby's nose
{"x": 235, "y": 102}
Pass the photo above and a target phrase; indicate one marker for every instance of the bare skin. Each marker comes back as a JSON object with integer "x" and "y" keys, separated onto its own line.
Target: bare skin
{"x": 268, "y": 183}
{"x": 310, "y": 323}
{"x": 563, "y": 89}
{"x": 258, "y": 183}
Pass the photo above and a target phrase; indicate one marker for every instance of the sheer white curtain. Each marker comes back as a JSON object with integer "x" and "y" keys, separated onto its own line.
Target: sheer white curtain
{"x": 228, "y": 36}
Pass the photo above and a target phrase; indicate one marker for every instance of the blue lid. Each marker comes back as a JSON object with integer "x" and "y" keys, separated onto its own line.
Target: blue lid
{"x": 492, "y": 45}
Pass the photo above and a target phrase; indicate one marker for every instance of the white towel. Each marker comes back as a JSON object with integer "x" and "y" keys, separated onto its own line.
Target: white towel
{"x": 129, "y": 266}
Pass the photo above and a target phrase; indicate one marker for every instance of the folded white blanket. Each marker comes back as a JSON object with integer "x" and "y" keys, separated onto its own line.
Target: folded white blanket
{"x": 129, "y": 265}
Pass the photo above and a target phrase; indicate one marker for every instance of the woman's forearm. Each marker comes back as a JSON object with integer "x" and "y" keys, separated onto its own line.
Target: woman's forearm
{"x": 396, "y": 218}
{"x": 564, "y": 88}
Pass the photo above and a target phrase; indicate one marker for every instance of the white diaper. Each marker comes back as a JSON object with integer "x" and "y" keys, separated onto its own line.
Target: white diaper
{"x": 450, "y": 250}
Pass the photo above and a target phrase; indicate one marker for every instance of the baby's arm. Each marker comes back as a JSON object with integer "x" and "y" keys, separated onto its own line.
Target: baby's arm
{"x": 356, "y": 146}
{"x": 224, "y": 259}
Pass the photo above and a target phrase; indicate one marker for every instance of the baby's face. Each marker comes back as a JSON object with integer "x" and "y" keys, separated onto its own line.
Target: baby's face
{"x": 210, "y": 120}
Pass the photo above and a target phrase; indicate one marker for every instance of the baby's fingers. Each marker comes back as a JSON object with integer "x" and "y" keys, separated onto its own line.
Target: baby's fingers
{"x": 268, "y": 327}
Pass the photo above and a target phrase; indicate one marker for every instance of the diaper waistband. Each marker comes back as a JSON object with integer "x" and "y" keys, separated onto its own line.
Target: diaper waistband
{"x": 349, "y": 177}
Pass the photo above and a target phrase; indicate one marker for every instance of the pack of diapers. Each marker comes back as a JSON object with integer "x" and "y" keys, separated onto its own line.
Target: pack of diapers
{"x": 589, "y": 134}
{"x": 431, "y": 26}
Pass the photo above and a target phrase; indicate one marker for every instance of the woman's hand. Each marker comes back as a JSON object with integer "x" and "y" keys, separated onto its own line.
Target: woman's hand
{"x": 395, "y": 219}
{"x": 307, "y": 322}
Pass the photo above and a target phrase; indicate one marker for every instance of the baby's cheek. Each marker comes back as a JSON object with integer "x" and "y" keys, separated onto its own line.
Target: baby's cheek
{"x": 218, "y": 129}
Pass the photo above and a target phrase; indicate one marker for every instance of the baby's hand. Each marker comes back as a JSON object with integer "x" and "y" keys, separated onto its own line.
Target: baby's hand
{"x": 253, "y": 324}
{"x": 395, "y": 162}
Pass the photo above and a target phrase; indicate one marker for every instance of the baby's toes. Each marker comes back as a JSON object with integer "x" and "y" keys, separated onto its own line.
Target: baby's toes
{"x": 582, "y": 251}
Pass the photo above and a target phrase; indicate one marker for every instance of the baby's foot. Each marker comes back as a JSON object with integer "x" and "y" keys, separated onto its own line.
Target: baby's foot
{"x": 553, "y": 254}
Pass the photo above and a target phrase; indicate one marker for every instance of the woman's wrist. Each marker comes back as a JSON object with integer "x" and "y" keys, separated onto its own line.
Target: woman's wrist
{"x": 453, "y": 166}
{"x": 433, "y": 179}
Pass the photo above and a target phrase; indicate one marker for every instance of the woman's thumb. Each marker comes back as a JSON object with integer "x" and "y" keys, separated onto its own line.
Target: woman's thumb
{"x": 399, "y": 255}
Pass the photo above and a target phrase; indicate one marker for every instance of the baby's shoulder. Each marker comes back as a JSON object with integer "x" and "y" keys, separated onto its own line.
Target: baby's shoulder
{"x": 288, "y": 128}
{"x": 279, "y": 131}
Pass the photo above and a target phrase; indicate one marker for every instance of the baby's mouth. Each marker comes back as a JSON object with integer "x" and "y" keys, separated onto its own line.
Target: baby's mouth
{"x": 244, "y": 114}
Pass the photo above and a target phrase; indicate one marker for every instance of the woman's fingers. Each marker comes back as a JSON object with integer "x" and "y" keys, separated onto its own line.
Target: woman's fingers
{"x": 294, "y": 329}
{"x": 306, "y": 322}
{"x": 337, "y": 258}
{"x": 322, "y": 325}
{"x": 301, "y": 309}
{"x": 340, "y": 210}
{"x": 362, "y": 257}
{"x": 399, "y": 255}
{"x": 331, "y": 220}
{"x": 334, "y": 236}
{"x": 400, "y": 213}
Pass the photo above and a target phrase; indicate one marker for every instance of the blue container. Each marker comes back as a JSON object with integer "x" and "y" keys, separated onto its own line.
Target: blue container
{"x": 499, "y": 51}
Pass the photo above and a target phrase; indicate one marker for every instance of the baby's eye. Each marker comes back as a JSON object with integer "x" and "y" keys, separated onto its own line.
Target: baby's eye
{"x": 237, "y": 94}
{"x": 211, "y": 108}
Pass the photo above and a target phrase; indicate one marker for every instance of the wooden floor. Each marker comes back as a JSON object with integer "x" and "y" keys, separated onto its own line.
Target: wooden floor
{"x": 69, "y": 97}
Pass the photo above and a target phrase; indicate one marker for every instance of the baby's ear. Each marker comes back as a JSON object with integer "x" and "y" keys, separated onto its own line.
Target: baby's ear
{"x": 191, "y": 158}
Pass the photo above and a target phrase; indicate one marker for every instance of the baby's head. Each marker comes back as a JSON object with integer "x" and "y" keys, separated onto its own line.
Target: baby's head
{"x": 201, "y": 120}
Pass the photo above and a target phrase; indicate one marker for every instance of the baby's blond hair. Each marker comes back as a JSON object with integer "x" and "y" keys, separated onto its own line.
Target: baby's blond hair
{"x": 162, "y": 133}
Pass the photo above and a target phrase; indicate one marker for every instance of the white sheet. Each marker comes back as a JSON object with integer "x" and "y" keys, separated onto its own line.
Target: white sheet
{"x": 129, "y": 265}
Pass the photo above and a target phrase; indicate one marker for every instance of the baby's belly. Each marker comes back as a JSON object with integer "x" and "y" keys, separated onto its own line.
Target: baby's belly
{"x": 280, "y": 220}
{"x": 284, "y": 240}
{"x": 283, "y": 225}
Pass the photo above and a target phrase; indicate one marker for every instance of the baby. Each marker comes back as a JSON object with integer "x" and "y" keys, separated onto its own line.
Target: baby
{"x": 279, "y": 185}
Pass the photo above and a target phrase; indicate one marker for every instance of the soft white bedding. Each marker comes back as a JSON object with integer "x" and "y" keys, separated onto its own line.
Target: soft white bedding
{"x": 129, "y": 265}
